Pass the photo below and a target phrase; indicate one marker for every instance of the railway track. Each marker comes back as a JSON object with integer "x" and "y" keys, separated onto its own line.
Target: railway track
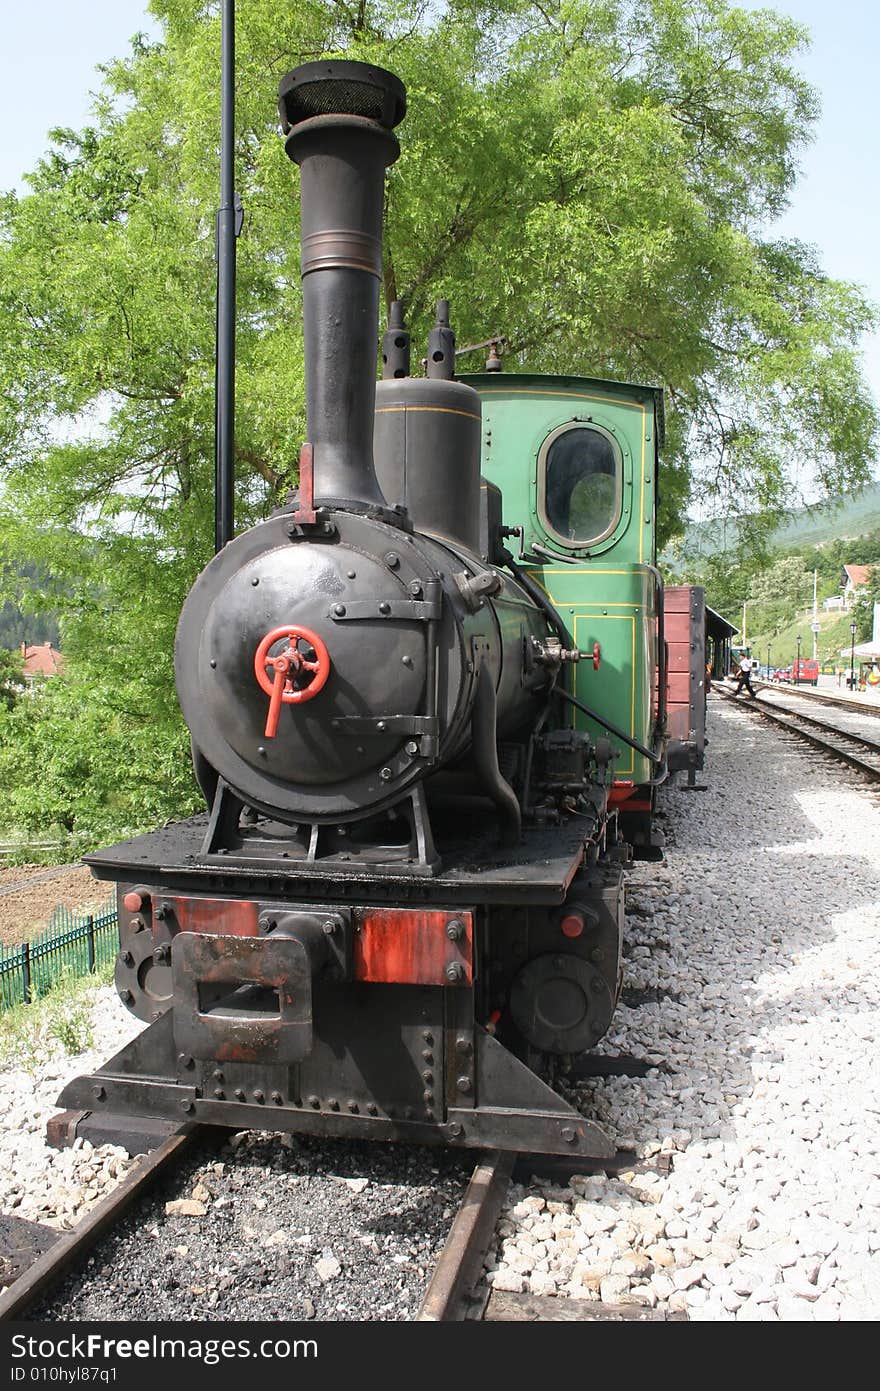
{"x": 857, "y": 751}
{"x": 456, "y": 1294}
{"x": 449, "y": 1296}
{"x": 71, "y": 1248}
{"x": 818, "y": 697}
{"x": 447, "y": 1299}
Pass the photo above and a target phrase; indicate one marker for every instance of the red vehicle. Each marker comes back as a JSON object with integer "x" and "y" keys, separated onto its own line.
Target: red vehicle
{"x": 805, "y": 671}
{"x": 781, "y": 674}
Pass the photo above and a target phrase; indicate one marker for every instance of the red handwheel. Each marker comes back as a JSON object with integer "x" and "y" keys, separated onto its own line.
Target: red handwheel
{"x": 297, "y": 677}
{"x": 597, "y": 656}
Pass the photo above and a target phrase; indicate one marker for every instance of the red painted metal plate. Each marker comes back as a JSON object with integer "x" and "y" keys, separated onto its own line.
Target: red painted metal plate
{"x": 411, "y": 946}
{"x": 230, "y": 917}
{"x": 621, "y": 792}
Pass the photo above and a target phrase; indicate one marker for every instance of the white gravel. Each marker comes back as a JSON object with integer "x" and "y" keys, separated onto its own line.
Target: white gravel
{"x": 764, "y": 925}
{"x": 56, "y": 1187}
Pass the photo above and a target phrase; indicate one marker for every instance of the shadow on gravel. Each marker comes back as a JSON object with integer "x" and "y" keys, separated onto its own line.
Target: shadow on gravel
{"x": 742, "y": 929}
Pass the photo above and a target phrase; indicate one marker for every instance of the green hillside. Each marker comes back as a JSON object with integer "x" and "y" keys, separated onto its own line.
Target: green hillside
{"x": 25, "y": 615}
{"x": 834, "y": 638}
{"x": 851, "y": 516}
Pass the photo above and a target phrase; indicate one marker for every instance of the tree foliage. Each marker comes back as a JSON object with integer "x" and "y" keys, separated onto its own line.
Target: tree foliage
{"x": 24, "y": 616}
{"x": 592, "y": 178}
{"x": 777, "y": 584}
{"x": 11, "y": 678}
{"x": 778, "y": 592}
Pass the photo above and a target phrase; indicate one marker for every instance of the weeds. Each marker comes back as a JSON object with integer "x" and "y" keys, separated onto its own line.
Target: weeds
{"x": 70, "y": 1023}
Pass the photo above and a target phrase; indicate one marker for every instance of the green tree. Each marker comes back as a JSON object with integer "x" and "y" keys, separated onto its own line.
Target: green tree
{"x": 725, "y": 580}
{"x": 590, "y": 177}
{"x": 778, "y": 592}
{"x": 34, "y": 623}
{"x": 11, "y": 678}
{"x": 786, "y": 582}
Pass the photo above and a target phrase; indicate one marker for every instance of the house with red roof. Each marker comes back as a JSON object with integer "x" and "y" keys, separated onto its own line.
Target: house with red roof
{"x": 855, "y": 580}
{"x": 40, "y": 661}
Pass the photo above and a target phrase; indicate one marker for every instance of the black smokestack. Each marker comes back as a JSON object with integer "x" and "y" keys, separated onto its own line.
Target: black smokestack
{"x": 338, "y": 118}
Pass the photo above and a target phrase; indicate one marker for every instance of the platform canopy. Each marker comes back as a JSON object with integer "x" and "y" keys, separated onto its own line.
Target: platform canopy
{"x": 863, "y": 652}
{"x": 718, "y": 627}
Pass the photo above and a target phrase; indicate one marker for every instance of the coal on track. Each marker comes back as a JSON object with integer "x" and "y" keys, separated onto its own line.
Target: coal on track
{"x": 281, "y": 1213}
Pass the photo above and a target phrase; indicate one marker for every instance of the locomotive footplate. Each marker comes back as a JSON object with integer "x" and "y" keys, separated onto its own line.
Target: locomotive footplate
{"x": 538, "y": 870}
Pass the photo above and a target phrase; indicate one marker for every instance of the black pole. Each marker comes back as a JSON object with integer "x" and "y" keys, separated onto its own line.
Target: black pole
{"x": 228, "y": 227}
{"x": 852, "y": 657}
{"x": 606, "y": 724}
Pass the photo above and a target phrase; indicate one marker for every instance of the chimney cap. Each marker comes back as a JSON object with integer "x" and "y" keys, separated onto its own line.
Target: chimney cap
{"x": 341, "y": 87}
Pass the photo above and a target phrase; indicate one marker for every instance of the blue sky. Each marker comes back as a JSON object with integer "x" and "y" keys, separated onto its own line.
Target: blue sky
{"x": 48, "y": 58}
{"x": 51, "y": 48}
{"x": 836, "y": 205}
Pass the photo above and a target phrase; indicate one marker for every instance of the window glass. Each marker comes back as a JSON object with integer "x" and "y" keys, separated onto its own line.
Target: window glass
{"x": 581, "y": 485}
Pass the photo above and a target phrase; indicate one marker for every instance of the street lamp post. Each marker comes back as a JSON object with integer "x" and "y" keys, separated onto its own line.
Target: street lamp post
{"x": 768, "y": 661}
{"x": 797, "y": 670}
{"x": 852, "y": 657}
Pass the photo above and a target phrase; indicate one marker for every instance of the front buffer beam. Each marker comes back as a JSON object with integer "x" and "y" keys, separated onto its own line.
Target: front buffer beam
{"x": 388, "y": 1062}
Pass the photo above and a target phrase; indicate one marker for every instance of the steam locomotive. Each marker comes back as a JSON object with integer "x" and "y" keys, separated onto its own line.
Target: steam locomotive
{"x": 428, "y": 706}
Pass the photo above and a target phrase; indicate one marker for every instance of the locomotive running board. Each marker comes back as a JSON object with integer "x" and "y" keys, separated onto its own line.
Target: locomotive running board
{"x": 539, "y": 871}
{"x": 517, "y": 1110}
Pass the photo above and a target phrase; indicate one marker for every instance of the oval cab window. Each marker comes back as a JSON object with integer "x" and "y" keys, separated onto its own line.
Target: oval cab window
{"x": 579, "y": 484}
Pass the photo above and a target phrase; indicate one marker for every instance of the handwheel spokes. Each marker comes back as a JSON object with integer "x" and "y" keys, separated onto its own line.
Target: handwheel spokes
{"x": 286, "y": 667}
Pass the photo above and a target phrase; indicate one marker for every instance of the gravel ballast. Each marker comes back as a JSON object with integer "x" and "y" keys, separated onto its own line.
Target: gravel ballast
{"x": 57, "y": 1187}
{"x": 761, "y": 932}
{"x": 756, "y": 945}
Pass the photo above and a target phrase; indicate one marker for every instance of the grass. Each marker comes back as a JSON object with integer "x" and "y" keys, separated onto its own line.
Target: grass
{"x": 58, "y": 1023}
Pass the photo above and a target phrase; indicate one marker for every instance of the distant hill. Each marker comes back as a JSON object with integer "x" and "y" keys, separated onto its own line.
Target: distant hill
{"x": 853, "y": 515}
{"x": 17, "y": 626}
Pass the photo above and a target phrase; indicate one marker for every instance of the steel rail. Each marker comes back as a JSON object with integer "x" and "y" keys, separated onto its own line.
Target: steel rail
{"x": 787, "y": 721}
{"x": 21, "y": 885}
{"x": 69, "y": 1249}
{"x": 449, "y": 1298}
{"x": 857, "y": 707}
{"x": 446, "y": 1298}
{"x": 872, "y": 744}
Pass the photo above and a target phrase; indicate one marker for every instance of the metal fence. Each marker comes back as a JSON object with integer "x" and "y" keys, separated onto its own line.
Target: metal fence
{"x": 72, "y": 943}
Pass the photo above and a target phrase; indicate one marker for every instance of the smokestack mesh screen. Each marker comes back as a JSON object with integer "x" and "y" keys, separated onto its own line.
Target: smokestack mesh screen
{"x": 337, "y": 96}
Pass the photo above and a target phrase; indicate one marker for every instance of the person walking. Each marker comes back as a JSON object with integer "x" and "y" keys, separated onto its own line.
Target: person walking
{"x": 746, "y": 667}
